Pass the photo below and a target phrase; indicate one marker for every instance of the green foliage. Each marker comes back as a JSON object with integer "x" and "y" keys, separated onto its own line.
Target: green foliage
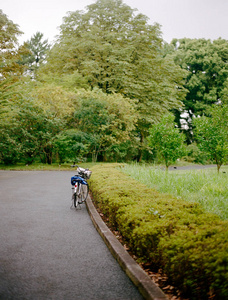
{"x": 72, "y": 145}
{"x": 9, "y": 32}
{"x": 107, "y": 119}
{"x": 206, "y": 64}
{"x": 40, "y": 111}
{"x": 11, "y": 77}
{"x": 212, "y": 134}
{"x": 122, "y": 152}
{"x": 195, "y": 155}
{"x": 224, "y": 93}
{"x": 189, "y": 244}
{"x": 10, "y": 69}
{"x": 8, "y": 94}
{"x": 54, "y": 99}
{"x": 167, "y": 140}
{"x": 70, "y": 82}
{"x": 9, "y": 149}
{"x": 29, "y": 132}
{"x": 37, "y": 51}
{"x": 116, "y": 50}
{"x": 10, "y": 53}
{"x": 112, "y": 48}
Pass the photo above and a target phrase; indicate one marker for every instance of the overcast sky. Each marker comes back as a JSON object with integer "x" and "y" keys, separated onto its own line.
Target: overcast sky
{"x": 178, "y": 18}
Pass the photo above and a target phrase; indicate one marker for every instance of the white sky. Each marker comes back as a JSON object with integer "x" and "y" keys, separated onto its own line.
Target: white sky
{"x": 178, "y": 18}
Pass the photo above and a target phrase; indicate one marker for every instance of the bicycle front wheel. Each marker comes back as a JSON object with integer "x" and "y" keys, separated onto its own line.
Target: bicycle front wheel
{"x": 84, "y": 192}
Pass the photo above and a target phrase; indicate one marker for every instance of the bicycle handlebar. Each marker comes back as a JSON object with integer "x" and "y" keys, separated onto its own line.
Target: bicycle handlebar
{"x": 85, "y": 173}
{"x": 73, "y": 166}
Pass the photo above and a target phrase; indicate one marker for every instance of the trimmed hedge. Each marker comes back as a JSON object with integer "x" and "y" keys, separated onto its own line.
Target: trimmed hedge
{"x": 189, "y": 244}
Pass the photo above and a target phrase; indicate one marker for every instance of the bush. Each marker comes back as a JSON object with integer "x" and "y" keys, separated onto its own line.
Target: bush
{"x": 10, "y": 152}
{"x": 189, "y": 244}
{"x": 195, "y": 155}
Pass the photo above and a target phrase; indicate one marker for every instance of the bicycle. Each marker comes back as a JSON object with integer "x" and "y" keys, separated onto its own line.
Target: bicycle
{"x": 80, "y": 186}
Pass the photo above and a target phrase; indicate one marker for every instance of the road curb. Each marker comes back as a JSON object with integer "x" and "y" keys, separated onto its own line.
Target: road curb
{"x": 142, "y": 281}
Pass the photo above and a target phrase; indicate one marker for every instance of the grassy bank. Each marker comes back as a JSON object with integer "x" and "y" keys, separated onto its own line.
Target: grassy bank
{"x": 205, "y": 186}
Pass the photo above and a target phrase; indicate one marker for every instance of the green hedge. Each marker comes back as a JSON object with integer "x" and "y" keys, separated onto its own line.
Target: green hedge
{"x": 190, "y": 245}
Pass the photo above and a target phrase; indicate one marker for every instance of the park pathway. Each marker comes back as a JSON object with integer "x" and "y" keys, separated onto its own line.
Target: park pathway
{"x": 49, "y": 251}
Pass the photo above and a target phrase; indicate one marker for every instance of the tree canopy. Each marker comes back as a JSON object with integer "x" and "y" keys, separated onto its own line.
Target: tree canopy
{"x": 116, "y": 50}
{"x": 11, "y": 71}
{"x": 10, "y": 52}
{"x": 212, "y": 134}
{"x": 206, "y": 63}
{"x": 97, "y": 90}
{"x": 108, "y": 118}
{"x": 37, "y": 51}
{"x": 167, "y": 140}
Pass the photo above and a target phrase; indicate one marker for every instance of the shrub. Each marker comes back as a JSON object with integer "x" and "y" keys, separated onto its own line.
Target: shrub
{"x": 189, "y": 244}
{"x": 195, "y": 155}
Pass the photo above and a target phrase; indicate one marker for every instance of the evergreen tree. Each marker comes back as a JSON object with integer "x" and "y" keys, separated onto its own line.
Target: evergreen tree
{"x": 38, "y": 49}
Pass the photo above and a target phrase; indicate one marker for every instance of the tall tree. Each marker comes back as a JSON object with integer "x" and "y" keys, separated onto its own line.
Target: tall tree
{"x": 11, "y": 71}
{"x": 116, "y": 50}
{"x": 206, "y": 62}
{"x": 38, "y": 48}
{"x": 10, "y": 52}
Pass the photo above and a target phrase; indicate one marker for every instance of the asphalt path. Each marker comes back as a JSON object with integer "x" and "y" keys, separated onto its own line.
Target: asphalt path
{"x": 49, "y": 251}
{"x": 193, "y": 167}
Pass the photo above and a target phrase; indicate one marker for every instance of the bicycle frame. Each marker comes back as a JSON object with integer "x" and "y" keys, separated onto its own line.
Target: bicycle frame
{"x": 78, "y": 179}
{"x": 77, "y": 188}
{"x": 78, "y": 183}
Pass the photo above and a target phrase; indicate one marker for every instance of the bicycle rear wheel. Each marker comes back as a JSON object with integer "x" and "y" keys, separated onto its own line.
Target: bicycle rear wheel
{"x": 84, "y": 192}
{"x": 75, "y": 198}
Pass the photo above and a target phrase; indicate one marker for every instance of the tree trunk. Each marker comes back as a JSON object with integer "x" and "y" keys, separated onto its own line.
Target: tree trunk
{"x": 141, "y": 147}
{"x": 218, "y": 167}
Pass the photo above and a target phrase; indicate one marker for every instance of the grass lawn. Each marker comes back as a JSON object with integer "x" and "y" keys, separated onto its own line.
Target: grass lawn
{"x": 206, "y": 186}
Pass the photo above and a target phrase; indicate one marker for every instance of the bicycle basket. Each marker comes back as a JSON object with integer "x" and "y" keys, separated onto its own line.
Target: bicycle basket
{"x": 85, "y": 173}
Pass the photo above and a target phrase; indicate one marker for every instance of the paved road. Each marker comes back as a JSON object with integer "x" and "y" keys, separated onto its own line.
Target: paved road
{"x": 49, "y": 251}
{"x": 193, "y": 167}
